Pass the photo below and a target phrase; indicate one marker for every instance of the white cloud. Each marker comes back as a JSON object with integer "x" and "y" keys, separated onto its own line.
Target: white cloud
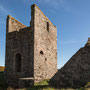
{"x": 70, "y": 42}
{"x": 2, "y": 22}
{"x": 52, "y": 3}
{"x": 4, "y": 10}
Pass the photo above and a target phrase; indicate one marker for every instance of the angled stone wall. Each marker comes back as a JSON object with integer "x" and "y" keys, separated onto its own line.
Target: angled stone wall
{"x": 76, "y": 72}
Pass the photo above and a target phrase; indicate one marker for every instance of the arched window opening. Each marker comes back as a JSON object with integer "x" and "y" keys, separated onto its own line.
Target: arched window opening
{"x": 48, "y": 26}
{"x": 18, "y": 62}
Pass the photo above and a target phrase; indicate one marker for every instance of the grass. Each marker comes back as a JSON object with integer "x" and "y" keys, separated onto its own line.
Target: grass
{"x": 45, "y": 86}
{"x": 45, "y": 82}
{"x": 42, "y": 86}
{"x": 2, "y": 68}
{"x": 38, "y": 86}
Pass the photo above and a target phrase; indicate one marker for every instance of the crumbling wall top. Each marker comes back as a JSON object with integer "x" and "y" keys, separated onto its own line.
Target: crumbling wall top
{"x": 35, "y": 6}
{"x": 13, "y": 24}
{"x": 88, "y": 43}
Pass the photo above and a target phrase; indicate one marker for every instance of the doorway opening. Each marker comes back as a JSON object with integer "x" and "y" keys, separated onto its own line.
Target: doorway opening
{"x": 18, "y": 62}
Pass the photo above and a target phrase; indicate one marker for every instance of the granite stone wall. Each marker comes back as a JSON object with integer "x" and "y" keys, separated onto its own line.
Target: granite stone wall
{"x": 19, "y": 52}
{"x": 45, "y": 46}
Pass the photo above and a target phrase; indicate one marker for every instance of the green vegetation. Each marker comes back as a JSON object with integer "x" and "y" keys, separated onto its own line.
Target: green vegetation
{"x": 38, "y": 86}
{"x": 45, "y": 86}
{"x": 88, "y": 85}
{"x": 42, "y": 86}
{"x": 45, "y": 82}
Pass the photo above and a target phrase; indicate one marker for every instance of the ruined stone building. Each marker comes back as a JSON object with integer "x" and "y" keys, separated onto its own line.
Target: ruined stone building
{"x": 31, "y": 52}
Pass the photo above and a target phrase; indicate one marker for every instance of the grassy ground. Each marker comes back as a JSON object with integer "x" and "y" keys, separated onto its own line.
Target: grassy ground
{"x": 42, "y": 86}
{"x": 38, "y": 86}
{"x": 2, "y": 68}
{"x": 45, "y": 86}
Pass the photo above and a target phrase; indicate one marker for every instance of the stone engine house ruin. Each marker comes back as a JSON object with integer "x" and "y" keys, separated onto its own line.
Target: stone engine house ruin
{"x": 30, "y": 51}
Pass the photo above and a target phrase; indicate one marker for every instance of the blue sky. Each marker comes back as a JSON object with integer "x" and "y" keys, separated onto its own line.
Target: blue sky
{"x": 72, "y": 18}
